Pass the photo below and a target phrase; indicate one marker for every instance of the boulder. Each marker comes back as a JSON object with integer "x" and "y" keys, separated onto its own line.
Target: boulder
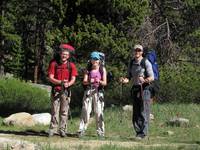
{"x": 127, "y": 108}
{"x": 179, "y": 122}
{"x": 169, "y": 132}
{"x": 42, "y": 118}
{"x": 19, "y": 119}
{"x": 152, "y": 117}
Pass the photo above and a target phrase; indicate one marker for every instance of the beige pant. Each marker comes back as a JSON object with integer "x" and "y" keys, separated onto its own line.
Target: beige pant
{"x": 92, "y": 97}
{"x": 59, "y": 111}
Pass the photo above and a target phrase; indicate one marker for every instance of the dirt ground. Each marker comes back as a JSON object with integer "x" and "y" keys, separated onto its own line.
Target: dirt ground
{"x": 33, "y": 142}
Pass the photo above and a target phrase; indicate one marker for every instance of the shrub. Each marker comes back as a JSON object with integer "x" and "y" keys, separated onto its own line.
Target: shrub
{"x": 180, "y": 83}
{"x": 16, "y": 96}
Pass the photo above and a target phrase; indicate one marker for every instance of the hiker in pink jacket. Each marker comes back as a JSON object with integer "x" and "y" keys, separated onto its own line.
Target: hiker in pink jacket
{"x": 94, "y": 80}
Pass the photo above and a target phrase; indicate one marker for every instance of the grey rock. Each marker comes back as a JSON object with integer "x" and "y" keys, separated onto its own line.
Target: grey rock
{"x": 127, "y": 108}
{"x": 169, "y": 132}
{"x": 179, "y": 122}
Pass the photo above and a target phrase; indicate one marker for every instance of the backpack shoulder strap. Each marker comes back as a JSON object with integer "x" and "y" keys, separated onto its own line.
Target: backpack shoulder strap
{"x": 142, "y": 63}
{"x": 69, "y": 67}
{"x": 56, "y": 66}
{"x": 88, "y": 68}
{"x": 101, "y": 70}
{"x": 131, "y": 63}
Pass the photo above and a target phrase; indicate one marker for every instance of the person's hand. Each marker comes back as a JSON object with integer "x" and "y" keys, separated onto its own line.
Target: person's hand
{"x": 92, "y": 80}
{"x": 123, "y": 80}
{"x": 141, "y": 80}
{"x": 147, "y": 80}
{"x": 66, "y": 83}
{"x": 96, "y": 80}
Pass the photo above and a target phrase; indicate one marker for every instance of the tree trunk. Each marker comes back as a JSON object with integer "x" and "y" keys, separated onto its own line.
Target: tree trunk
{"x": 36, "y": 74}
{"x": 2, "y": 45}
{"x": 37, "y": 47}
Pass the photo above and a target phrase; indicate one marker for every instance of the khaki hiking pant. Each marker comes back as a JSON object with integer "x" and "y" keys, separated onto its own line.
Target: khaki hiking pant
{"x": 95, "y": 98}
{"x": 59, "y": 111}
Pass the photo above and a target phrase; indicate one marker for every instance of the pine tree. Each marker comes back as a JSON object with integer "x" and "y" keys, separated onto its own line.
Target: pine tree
{"x": 11, "y": 50}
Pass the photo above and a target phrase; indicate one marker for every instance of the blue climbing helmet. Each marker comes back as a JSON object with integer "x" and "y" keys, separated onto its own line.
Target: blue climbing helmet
{"x": 95, "y": 55}
{"x": 98, "y": 56}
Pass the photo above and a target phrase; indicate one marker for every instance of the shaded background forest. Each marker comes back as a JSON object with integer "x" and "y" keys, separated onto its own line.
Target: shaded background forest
{"x": 31, "y": 31}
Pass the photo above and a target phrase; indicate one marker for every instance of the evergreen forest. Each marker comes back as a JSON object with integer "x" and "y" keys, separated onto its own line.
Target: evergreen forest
{"x": 32, "y": 30}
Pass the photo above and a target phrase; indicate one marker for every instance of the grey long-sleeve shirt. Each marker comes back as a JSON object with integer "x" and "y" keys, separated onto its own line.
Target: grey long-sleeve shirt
{"x": 135, "y": 70}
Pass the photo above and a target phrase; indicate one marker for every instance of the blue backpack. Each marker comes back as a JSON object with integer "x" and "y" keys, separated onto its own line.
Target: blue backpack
{"x": 152, "y": 57}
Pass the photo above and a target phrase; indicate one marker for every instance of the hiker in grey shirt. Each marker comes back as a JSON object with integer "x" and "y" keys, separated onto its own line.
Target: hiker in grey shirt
{"x": 141, "y": 72}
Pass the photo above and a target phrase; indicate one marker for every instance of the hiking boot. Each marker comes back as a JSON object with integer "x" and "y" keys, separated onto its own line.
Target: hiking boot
{"x": 100, "y": 135}
{"x": 51, "y": 133}
{"x": 140, "y": 137}
{"x": 80, "y": 133}
{"x": 62, "y": 134}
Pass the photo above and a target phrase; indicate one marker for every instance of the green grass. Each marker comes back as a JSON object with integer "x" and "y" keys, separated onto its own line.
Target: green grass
{"x": 119, "y": 128}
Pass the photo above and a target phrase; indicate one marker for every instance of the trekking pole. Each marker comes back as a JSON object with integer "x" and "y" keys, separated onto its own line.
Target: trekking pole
{"x": 70, "y": 114}
{"x": 67, "y": 93}
{"x": 91, "y": 96}
{"x": 120, "y": 104}
{"x": 121, "y": 97}
{"x": 141, "y": 91}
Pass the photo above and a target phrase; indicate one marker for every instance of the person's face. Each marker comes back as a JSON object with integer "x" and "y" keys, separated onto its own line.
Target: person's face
{"x": 64, "y": 56}
{"x": 95, "y": 61}
{"x": 137, "y": 53}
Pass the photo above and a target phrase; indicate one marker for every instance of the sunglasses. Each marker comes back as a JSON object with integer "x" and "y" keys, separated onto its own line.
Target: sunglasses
{"x": 138, "y": 50}
{"x": 94, "y": 58}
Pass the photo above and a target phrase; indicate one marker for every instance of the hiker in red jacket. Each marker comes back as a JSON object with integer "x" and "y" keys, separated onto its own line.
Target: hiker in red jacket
{"x": 62, "y": 74}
